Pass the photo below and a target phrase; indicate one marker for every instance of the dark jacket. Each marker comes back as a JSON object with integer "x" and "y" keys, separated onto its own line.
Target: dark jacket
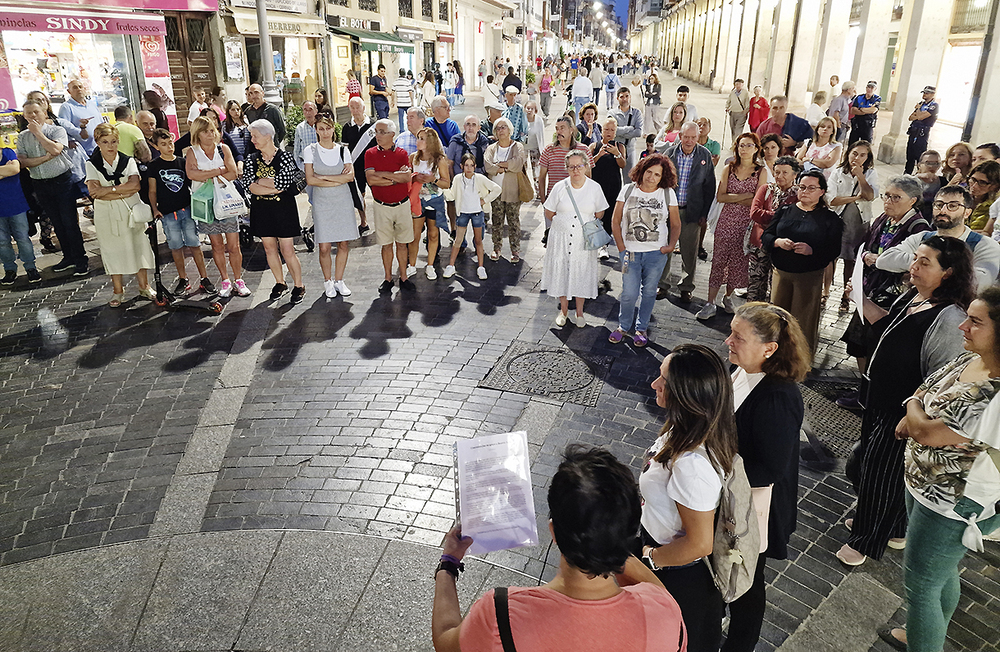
{"x": 267, "y": 112}
{"x": 701, "y": 184}
{"x": 819, "y": 228}
{"x": 458, "y": 147}
{"x": 767, "y": 426}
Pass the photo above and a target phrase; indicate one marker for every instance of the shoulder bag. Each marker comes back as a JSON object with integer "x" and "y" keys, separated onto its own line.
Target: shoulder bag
{"x": 594, "y": 234}
{"x": 525, "y": 190}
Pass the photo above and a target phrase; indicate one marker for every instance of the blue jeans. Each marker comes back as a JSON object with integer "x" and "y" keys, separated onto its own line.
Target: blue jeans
{"x": 643, "y": 277}
{"x": 578, "y": 103}
{"x": 478, "y": 220}
{"x": 16, "y": 226}
{"x": 435, "y": 205}
{"x": 402, "y": 117}
{"x": 450, "y": 94}
{"x": 180, "y": 230}
{"x": 930, "y": 573}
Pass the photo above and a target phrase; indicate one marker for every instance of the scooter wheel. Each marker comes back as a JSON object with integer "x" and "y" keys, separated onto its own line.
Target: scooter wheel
{"x": 161, "y": 302}
{"x": 216, "y": 307}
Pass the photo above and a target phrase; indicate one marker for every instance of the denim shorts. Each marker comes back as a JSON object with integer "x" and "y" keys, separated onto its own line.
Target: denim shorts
{"x": 180, "y": 229}
{"x": 478, "y": 219}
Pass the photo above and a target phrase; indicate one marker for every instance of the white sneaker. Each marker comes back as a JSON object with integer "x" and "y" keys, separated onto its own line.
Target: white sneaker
{"x": 330, "y": 288}
{"x": 578, "y": 320}
{"x": 449, "y": 271}
{"x": 341, "y": 287}
{"x": 707, "y": 311}
{"x": 602, "y": 253}
{"x": 431, "y": 273}
{"x": 226, "y": 288}
{"x": 241, "y": 288}
{"x": 481, "y": 273}
{"x": 727, "y": 305}
{"x": 560, "y": 320}
{"x": 410, "y": 270}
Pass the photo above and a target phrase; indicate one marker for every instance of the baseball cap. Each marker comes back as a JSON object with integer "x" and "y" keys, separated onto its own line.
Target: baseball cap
{"x": 511, "y": 89}
{"x": 929, "y": 89}
{"x": 873, "y": 83}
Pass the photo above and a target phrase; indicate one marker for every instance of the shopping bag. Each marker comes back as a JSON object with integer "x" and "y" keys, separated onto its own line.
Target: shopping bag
{"x": 202, "y": 200}
{"x": 228, "y": 203}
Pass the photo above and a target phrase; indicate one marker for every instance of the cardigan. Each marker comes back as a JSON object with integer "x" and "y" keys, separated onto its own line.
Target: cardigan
{"x": 767, "y": 426}
{"x": 515, "y": 162}
{"x": 487, "y": 190}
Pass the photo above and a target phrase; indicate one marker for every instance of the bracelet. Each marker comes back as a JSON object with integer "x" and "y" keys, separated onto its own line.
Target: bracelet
{"x": 450, "y": 567}
{"x": 647, "y": 554}
{"x": 912, "y": 398}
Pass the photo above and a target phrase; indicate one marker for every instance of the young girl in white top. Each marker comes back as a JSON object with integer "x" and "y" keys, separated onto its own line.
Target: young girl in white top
{"x": 681, "y": 485}
{"x": 473, "y": 194}
{"x": 823, "y": 151}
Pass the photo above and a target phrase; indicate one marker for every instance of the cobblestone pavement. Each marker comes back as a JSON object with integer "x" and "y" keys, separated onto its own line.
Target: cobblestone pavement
{"x": 339, "y": 416}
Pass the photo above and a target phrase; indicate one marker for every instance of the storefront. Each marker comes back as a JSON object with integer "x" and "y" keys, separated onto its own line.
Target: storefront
{"x": 118, "y": 55}
{"x": 297, "y": 46}
{"x": 358, "y": 45}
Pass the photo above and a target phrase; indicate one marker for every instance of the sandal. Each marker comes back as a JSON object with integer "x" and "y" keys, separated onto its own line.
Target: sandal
{"x": 640, "y": 340}
{"x": 845, "y": 303}
{"x": 495, "y": 255}
{"x": 822, "y": 300}
{"x": 116, "y": 300}
{"x": 515, "y": 258}
{"x": 147, "y": 293}
{"x": 616, "y": 336}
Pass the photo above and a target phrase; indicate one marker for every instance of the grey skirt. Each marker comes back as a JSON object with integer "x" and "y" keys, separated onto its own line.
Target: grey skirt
{"x": 855, "y": 230}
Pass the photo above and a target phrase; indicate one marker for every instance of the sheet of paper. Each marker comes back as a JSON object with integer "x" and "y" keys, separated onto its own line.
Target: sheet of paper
{"x": 857, "y": 283}
{"x": 494, "y": 498}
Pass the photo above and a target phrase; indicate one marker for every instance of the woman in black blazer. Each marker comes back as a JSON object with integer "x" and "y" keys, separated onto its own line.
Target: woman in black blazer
{"x": 772, "y": 355}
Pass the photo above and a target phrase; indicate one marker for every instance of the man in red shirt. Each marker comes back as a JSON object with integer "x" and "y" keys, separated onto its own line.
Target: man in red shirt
{"x": 792, "y": 129}
{"x": 387, "y": 171}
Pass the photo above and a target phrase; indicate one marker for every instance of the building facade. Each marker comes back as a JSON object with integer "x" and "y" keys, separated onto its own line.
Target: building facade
{"x": 793, "y": 47}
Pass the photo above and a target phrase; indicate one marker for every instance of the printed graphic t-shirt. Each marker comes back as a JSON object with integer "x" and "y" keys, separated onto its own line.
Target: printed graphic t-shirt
{"x": 645, "y": 218}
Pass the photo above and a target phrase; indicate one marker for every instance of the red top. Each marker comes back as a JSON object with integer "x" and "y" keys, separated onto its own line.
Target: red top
{"x": 353, "y": 88}
{"x": 388, "y": 160}
{"x": 759, "y": 110}
{"x": 769, "y": 126}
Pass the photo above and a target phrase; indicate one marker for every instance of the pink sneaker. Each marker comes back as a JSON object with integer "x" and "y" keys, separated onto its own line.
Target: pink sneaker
{"x": 226, "y": 288}
{"x": 241, "y": 288}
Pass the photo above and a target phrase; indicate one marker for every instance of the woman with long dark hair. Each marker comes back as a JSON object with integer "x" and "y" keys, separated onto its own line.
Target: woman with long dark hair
{"x": 681, "y": 485}
{"x": 917, "y": 336}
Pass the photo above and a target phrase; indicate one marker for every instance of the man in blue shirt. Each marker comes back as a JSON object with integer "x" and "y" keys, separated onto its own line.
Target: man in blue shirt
{"x": 864, "y": 114}
{"x": 440, "y": 120}
{"x": 83, "y": 113}
{"x": 378, "y": 90}
{"x": 921, "y": 120}
{"x": 515, "y": 113}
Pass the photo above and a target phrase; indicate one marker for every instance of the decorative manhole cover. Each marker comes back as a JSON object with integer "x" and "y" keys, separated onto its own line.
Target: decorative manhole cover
{"x": 836, "y": 427}
{"x": 546, "y": 371}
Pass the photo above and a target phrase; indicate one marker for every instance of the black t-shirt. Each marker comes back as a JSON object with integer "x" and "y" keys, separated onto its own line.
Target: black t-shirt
{"x": 173, "y": 188}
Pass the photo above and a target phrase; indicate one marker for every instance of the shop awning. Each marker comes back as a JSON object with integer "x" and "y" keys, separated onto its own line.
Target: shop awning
{"x": 446, "y": 37}
{"x": 279, "y": 24}
{"x": 376, "y": 41}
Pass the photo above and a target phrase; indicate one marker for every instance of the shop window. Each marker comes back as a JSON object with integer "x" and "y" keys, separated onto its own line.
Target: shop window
{"x": 443, "y": 10}
{"x": 406, "y": 8}
{"x": 342, "y": 3}
{"x": 173, "y": 37}
{"x": 427, "y": 8}
{"x": 368, "y": 5}
{"x": 196, "y": 35}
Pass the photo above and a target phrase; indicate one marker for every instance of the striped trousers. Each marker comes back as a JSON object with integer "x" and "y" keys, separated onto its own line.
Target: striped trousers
{"x": 881, "y": 513}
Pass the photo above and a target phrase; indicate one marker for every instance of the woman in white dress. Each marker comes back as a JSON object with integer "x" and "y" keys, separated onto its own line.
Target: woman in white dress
{"x": 823, "y": 151}
{"x": 328, "y": 170}
{"x": 570, "y": 269}
{"x": 113, "y": 183}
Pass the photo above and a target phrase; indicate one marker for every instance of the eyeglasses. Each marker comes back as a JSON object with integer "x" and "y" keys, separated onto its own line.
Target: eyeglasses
{"x": 576, "y": 167}
{"x": 809, "y": 188}
{"x": 978, "y": 181}
{"x": 950, "y": 205}
{"x": 891, "y": 198}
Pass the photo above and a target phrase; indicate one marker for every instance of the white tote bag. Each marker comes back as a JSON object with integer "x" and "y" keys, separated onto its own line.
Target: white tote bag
{"x": 228, "y": 202}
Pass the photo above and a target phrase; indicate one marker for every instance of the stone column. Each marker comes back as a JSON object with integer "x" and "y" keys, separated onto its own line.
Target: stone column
{"x": 833, "y": 38}
{"x": 745, "y": 44}
{"x": 759, "y": 62}
{"x": 781, "y": 48}
{"x": 804, "y": 56}
{"x": 873, "y": 40}
{"x": 987, "y": 124}
{"x": 726, "y": 66}
{"x": 920, "y": 64}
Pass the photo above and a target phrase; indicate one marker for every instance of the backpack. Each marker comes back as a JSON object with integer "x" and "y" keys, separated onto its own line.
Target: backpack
{"x": 733, "y": 562}
{"x": 972, "y": 240}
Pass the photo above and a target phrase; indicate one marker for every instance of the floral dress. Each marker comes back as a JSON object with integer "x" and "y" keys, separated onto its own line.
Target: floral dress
{"x": 730, "y": 263}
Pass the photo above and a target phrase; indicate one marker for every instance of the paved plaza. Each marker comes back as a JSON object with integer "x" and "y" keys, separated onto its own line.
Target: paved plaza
{"x": 279, "y": 477}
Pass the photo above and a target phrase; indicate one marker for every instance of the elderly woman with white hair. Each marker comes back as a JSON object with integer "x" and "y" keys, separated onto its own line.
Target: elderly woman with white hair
{"x": 505, "y": 161}
{"x": 570, "y": 269}
{"x": 272, "y": 180}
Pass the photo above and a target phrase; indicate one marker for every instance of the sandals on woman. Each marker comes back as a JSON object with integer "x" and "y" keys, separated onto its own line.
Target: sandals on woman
{"x": 845, "y": 303}
{"x": 495, "y": 255}
{"x": 116, "y": 300}
{"x": 147, "y": 293}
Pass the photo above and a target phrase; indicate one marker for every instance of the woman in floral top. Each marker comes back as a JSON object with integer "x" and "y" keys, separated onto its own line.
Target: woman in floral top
{"x": 952, "y": 473}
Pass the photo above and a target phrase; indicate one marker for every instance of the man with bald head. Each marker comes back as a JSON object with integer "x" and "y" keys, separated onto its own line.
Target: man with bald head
{"x": 695, "y": 191}
{"x": 259, "y": 109}
{"x": 83, "y": 113}
{"x": 305, "y": 133}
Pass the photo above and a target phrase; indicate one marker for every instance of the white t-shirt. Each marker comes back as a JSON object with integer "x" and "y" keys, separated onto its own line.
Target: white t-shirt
{"x": 743, "y": 384}
{"x": 690, "y": 481}
{"x": 332, "y": 157}
{"x": 502, "y": 154}
{"x": 470, "y": 196}
{"x": 645, "y": 217}
{"x": 195, "y": 110}
{"x": 842, "y": 184}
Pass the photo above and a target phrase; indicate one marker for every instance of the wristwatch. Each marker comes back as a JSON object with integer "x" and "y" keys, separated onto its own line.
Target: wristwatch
{"x": 451, "y": 567}
{"x": 647, "y": 554}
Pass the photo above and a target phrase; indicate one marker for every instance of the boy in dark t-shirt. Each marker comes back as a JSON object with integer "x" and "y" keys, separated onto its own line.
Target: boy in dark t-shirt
{"x": 170, "y": 199}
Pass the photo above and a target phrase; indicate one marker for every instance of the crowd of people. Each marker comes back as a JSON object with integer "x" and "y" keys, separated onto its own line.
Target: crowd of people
{"x": 793, "y": 196}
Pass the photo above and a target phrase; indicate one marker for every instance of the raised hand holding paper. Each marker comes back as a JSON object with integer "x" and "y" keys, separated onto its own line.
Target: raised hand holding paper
{"x": 493, "y": 493}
